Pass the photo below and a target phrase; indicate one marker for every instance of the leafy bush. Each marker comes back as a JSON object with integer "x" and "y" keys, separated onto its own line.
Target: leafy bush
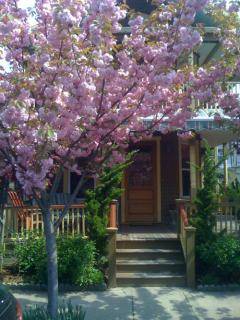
{"x": 76, "y": 260}
{"x": 64, "y": 313}
{"x": 220, "y": 260}
{"x": 32, "y": 259}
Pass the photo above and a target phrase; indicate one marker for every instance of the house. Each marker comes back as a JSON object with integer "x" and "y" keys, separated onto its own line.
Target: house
{"x": 146, "y": 249}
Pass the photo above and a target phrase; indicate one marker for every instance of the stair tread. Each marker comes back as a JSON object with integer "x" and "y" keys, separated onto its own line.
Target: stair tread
{"x": 137, "y": 250}
{"x": 140, "y": 239}
{"x": 149, "y": 275}
{"x": 149, "y": 262}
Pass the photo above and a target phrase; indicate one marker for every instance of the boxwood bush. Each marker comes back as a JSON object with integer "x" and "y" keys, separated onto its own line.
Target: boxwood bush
{"x": 219, "y": 261}
{"x": 76, "y": 260}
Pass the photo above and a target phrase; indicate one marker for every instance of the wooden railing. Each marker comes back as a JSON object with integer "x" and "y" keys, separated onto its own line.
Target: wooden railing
{"x": 228, "y": 218}
{"x": 73, "y": 223}
{"x": 186, "y": 234}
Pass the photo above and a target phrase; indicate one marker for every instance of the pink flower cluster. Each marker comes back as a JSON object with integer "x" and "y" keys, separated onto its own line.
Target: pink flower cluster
{"x": 76, "y": 91}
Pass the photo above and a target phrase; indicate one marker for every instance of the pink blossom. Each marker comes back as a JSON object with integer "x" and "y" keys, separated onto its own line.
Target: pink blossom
{"x": 77, "y": 92}
{"x": 2, "y": 98}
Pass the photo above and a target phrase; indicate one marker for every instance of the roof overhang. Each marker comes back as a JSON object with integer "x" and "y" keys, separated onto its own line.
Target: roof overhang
{"x": 218, "y": 136}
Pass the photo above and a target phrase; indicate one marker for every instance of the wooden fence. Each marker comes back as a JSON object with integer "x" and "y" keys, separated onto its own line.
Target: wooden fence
{"x": 227, "y": 216}
{"x": 74, "y": 221}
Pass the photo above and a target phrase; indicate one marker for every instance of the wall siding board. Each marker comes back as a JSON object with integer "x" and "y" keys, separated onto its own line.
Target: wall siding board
{"x": 169, "y": 174}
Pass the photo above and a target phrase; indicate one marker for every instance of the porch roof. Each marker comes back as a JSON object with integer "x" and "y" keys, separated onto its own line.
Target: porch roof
{"x": 217, "y": 137}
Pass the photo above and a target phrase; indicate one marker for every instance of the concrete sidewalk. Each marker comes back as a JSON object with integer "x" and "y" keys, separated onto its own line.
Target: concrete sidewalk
{"x": 149, "y": 304}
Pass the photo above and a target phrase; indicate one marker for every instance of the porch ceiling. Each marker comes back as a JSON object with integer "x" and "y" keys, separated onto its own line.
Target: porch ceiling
{"x": 216, "y": 137}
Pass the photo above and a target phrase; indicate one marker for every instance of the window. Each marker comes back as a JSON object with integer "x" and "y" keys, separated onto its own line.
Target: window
{"x": 186, "y": 179}
{"x": 74, "y": 179}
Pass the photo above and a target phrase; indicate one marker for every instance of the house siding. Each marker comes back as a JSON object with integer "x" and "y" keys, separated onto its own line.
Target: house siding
{"x": 169, "y": 173}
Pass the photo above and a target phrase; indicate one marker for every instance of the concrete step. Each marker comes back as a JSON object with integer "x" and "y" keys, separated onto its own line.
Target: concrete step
{"x": 150, "y": 279}
{"x": 144, "y": 254}
{"x": 156, "y": 265}
{"x": 148, "y": 243}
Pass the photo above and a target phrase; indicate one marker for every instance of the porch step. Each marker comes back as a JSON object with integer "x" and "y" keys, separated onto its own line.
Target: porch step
{"x": 148, "y": 243}
{"x": 133, "y": 254}
{"x": 157, "y": 265}
{"x": 150, "y": 279}
{"x": 149, "y": 262}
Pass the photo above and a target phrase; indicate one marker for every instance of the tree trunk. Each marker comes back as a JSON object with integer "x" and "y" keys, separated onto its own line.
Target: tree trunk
{"x": 52, "y": 267}
{"x": 3, "y": 200}
{"x": 2, "y": 232}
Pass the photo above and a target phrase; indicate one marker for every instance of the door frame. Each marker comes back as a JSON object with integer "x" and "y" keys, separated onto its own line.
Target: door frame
{"x": 157, "y": 191}
{"x": 194, "y": 154}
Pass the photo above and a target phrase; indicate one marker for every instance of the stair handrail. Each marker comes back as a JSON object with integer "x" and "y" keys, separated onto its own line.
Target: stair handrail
{"x": 186, "y": 235}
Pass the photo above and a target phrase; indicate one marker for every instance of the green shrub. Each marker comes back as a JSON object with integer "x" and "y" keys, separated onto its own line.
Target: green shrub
{"x": 97, "y": 206}
{"x": 32, "y": 259}
{"x": 232, "y": 191}
{"x": 65, "y": 312}
{"x": 206, "y": 200}
{"x": 76, "y": 260}
{"x": 219, "y": 261}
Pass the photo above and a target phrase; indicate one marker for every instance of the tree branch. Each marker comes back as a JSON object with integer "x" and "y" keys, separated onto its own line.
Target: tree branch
{"x": 70, "y": 202}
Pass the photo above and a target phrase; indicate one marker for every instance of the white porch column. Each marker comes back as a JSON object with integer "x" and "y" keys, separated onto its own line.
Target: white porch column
{"x": 225, "y": 165}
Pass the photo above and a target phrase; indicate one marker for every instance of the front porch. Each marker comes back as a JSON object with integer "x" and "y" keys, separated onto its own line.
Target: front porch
{"x": 156, "y": 231}
{"x": 163, "y": 170}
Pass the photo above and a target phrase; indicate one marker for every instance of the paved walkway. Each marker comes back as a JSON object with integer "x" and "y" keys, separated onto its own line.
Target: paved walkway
{"x": 149, "y": 304}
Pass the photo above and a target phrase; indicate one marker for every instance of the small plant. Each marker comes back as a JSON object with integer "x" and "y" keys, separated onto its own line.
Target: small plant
{"x": 65, "y": 312}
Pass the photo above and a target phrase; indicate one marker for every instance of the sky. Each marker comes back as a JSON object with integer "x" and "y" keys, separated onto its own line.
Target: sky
{"x": 26, "y": 3}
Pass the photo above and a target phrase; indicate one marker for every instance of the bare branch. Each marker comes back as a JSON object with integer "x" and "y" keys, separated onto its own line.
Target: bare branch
{"x": 70, "y": 202}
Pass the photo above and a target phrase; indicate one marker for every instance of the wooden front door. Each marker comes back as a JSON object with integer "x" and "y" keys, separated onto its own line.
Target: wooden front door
{"x": 140, "y": 186}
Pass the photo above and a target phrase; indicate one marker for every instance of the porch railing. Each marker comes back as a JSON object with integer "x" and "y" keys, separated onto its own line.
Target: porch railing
{"x": 227, "y": 216}
{"x": 227, "y": 219}
{"x": 74, "y": 221}
{"x": 186, "y": 234}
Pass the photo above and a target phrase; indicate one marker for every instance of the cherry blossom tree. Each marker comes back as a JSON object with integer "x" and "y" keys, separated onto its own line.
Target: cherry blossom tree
{"x": 74, "y": 91}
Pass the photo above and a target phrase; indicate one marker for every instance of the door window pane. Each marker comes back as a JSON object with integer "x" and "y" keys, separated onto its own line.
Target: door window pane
{"x": 140, "y": 173}
{"x": 186, "y": 178}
